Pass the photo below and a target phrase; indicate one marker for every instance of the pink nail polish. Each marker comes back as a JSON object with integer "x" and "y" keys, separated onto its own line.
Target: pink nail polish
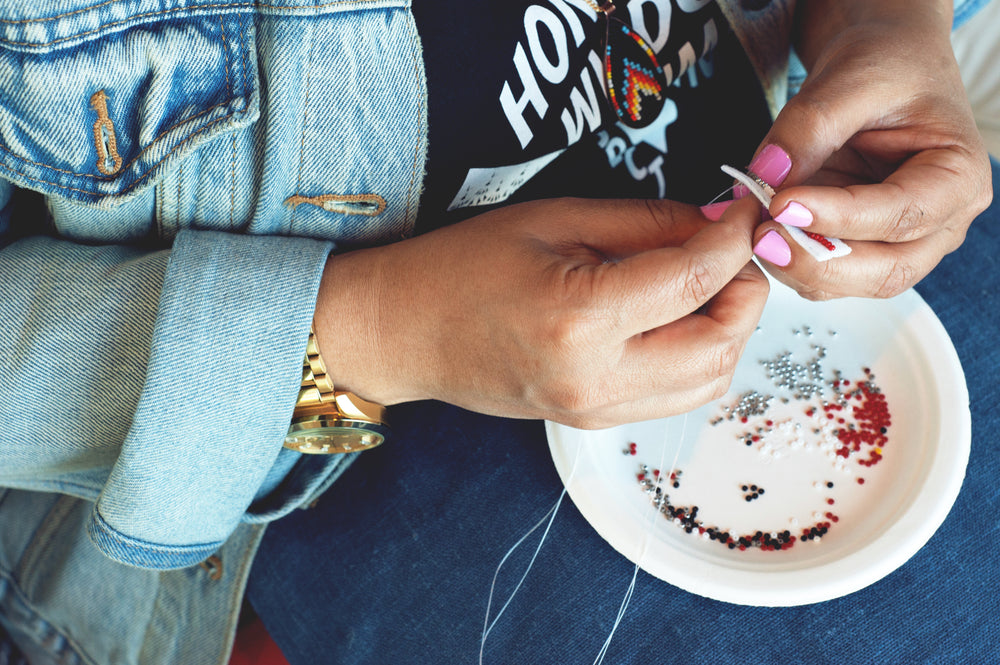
{"x": 773, "y": 248}
{"x": 714, "y": 210}
{"x": 795, "y": 214}
{"x": 772, "y": 165}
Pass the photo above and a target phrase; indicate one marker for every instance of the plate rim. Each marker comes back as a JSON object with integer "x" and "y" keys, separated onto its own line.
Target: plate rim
{"x": 910, "y": 530}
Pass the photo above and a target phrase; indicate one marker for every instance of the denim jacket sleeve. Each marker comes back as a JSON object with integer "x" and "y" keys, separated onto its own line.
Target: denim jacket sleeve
{"x": 153, "y": 316}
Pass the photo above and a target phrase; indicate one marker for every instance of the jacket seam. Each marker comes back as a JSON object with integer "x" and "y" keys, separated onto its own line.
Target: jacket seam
{"x": 134, "y": 159}
{"x": 23, "y": 599}
{"x": 415, "y": 46}
{"x": 137, "y": 552}
{"x": 135, "y": 184}
{"x": 305, "y": 123}
{"x": 139, "y": 17}
{"x": 131, "y": 19}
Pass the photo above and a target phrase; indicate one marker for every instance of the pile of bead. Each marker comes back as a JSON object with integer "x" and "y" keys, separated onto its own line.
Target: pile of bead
{"x": 845, "y": 422}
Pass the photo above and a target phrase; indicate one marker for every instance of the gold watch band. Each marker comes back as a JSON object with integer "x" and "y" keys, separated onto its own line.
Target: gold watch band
{"x": 327, "y": 420}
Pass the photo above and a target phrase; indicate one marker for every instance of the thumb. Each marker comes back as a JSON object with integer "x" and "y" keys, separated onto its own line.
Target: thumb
{"x": 819, "y": 121}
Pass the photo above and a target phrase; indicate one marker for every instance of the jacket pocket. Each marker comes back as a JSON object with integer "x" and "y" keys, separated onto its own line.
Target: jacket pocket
{"x": 96, "y": 102}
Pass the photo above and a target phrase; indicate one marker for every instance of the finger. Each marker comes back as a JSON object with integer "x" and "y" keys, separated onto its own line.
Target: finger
{"x": 699, "y": 348}
{"x": 933, "y": 191}
{"x": 872, "y": 269}
{"x": 653, "y": 288}
{"x": 621, "y": 228}
{"x": 818, "y": 121}
{"x": 647, "y": 408}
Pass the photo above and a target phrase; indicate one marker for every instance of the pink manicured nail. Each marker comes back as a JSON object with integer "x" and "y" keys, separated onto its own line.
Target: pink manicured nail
{"x": 795, "y": 214}
{"x": 773, "y": 248}
{"x": 772, "y": 165}
{"x": 714, "y": 210}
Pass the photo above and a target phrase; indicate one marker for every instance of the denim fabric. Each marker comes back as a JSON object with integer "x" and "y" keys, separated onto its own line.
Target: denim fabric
{"x": 155, "y": 343}
{"x": 63, "y": 604}
{"x": 414, "y": 531}
{"x": 155, "y": 308}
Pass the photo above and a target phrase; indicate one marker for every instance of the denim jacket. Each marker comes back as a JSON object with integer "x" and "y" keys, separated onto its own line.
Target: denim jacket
{"x": 159, "y": 267}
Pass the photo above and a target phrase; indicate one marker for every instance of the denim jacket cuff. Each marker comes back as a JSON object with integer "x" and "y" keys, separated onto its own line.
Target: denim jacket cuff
{"x": 221, "y": 384}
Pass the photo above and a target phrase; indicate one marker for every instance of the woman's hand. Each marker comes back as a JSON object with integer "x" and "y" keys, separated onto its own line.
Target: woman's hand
{"x": 883, "y": 147}
{"x": 587, "y": 312}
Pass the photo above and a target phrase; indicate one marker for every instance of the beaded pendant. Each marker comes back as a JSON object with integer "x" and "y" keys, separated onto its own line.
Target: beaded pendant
{"x": 635, "y": 80}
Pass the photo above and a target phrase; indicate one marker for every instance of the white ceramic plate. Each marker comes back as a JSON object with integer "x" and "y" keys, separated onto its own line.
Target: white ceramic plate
{"x": 880, "y": 523}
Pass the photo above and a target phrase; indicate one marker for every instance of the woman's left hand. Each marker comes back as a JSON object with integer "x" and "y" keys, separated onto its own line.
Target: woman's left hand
{"x": 883, "y": 149}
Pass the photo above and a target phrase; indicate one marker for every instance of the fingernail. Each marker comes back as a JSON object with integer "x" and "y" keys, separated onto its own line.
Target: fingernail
{"x": 772, "y": 165}
{"x": 773, "y": 248}
{"x": 795, "y": 214}
{"x": 714, "y": 210}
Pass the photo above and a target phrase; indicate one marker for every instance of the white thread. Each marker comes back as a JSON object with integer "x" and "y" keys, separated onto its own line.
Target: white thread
{"x": 762, "y": 195}
{"x": 551, "y": 515}
{"x": 487, "y": 626}
{"x": 645, "y": 545}
{"x": 815, "y": 248}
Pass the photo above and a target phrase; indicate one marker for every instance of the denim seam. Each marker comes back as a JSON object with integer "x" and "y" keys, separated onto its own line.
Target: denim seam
{"x": 43, "y": 19}
{"x": 244, "y": 47}
{"x": 305, "y": 125}
{"x": 239, "y": 588}
{"x": 141, "y": 152}
{"x": 138, "y": 18}
{"x": 142, "y": 177}
{"x": 415, "y": 49}
{"x": 126, "y": 549}
{"x": 191, "y": 11}
{"x": 225, "y": 52}
{"x": 22, "y": 598}
{"x": 42, "y": 538}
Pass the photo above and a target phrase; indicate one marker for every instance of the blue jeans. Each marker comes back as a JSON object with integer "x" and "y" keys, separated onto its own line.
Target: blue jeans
{"x": 394, "y": 564}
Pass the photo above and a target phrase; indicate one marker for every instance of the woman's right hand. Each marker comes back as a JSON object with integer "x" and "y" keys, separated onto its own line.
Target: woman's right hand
{"x": 586, "y": 312}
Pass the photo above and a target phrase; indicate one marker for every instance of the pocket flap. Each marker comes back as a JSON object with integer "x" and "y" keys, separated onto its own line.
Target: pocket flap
{"x": 94, "y": 113}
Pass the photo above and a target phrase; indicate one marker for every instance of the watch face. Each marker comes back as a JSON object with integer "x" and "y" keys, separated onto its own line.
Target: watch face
{"x": 327, "y": 436}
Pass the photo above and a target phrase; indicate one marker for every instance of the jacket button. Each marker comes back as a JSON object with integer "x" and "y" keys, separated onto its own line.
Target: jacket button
{"x": 213, "y": 566}
{"x": 754, "y": 5}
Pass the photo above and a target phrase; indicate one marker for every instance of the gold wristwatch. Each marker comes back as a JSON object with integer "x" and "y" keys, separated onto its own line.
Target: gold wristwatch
{"x": 329, "y": 421}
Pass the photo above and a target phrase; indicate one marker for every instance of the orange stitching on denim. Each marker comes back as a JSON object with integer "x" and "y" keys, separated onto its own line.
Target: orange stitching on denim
{"x": 371, "y": 205}
{"x": 134, "y": 184}
{"x": 225, "y": 52}
{"x": 305, "y": 123}
{"x": 105, "y": 141}
{"x": 42, "y": 19}
{"x": 194, "y": 10}
{"x": 244, "y": 47}
{"x": 130, "y": 19}
{"x": 414, "y": 42}
{"x": 134, "y": 159}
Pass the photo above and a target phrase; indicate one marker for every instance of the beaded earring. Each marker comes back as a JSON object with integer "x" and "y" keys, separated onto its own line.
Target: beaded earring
{"x": 634, "y": 79}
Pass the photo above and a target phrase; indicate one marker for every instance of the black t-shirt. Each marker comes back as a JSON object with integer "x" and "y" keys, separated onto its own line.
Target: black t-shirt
{"x": 518, "y": 109}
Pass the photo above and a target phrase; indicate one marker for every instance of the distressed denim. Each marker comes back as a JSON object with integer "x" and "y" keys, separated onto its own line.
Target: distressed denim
{"x": 194, "y": 163}
{"x": 153, "y": 347}
{"x": 155, "y": 310}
